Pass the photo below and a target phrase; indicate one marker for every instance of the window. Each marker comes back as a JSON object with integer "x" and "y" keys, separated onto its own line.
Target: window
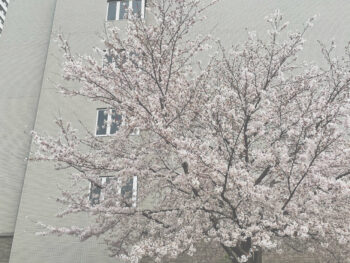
{"x": 128, "y": 190}
{"x": 117, "y": 59}
{"x": 112, "y": 10}
{"x": 121, "y": 57}
{"x": 108, "y": 122}
{"x": 118, "y": 10}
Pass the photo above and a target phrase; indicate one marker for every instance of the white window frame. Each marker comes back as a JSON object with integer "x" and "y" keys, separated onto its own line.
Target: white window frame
{"x": 109, "y": 121}
{"x": 117, "y": 18}
{"x": 103, "y": 182}
{"x": 134, "y": 191}
{"x": 135, "y": 132}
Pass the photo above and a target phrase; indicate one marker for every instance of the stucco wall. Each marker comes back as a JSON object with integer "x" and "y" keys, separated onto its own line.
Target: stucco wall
{"x": 23, "y": 49}
{"x": 289, "y": 258}
{"x": 5, "y": 248}
{"x": 215, "y": 254}
{"x": 82, "y": 23}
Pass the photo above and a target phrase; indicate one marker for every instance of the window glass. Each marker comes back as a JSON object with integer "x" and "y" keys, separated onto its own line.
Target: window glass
{"x": 109, "y": 59}
{"x": 128, "y": 190}
{"x": 123, "y": 10}
{"x": 102, "y": 122}
{"x": 118, "y": 59}
{"x": 108, "y": 180}
{"x": 116, "y": 122}
{"x": 112, "y": 10}
{"x": 95, "y": 193}
{"x": 137, "y": 7}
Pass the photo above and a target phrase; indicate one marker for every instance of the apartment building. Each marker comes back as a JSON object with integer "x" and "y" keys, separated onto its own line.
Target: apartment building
{"x": 30, "y": 66}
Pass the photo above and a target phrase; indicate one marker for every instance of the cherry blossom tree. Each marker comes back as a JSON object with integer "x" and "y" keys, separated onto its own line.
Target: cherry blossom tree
{"x": 249, "y": 150}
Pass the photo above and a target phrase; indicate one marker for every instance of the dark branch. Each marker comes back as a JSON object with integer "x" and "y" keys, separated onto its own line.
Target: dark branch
{"x": 263, "y": 175}
{"x": 342, "y": 175}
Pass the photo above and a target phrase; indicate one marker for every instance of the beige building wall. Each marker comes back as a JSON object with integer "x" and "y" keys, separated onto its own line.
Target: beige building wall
{"x": 23, "y": 48}
{"x": 83, "y": 23}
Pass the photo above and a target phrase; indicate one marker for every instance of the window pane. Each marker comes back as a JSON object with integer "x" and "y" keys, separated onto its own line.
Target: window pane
{"x": 137, "y": 7}
{"x": 123, "y": 10}
{"x": 102, "y": 122}
{"x": 112, "y": 10}
{"x": 95, "y": 193}
{"x": 116, "y": 122}
{"x": 121, "y": 57}
{"x": 126, "y": 189}
{"x": 109, "y": 59}
{"x": 108, "y": 180}
{"x": 118, "y": 59}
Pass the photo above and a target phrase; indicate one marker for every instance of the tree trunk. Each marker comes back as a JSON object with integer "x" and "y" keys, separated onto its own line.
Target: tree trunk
{"x": 234, "y": 252}
{"x": 257, "y": 257}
